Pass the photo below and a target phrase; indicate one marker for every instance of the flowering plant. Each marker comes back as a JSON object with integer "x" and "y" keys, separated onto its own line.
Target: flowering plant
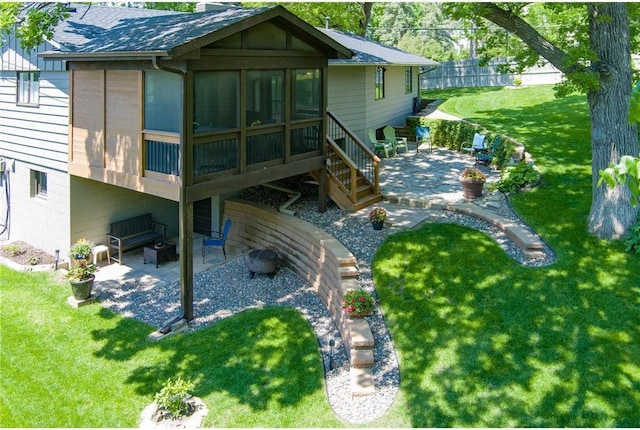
{"x": 358, "y": 303}
{"x": 378, "y": 214}
{"x": 81, "y": 250}
{"x": 473, "y": 174}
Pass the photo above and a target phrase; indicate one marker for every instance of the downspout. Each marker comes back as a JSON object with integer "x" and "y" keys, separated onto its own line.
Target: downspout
{"x": 295, "y": 195}
{"x": 186, "y": 242}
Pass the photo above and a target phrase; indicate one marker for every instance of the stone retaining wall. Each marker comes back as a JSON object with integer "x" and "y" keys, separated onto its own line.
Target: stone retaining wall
{"x": 314, "y": 256}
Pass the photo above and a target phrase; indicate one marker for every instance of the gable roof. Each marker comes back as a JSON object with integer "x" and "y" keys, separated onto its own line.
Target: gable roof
{"x": 368, "y": 52}
{"x": 94, "y": 31}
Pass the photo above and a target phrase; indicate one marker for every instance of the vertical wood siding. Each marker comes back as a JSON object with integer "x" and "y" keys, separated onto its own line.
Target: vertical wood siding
{"x": 88, "y": 119}
{"x": 123, "y": 137}
{"x": 15, "y": 58}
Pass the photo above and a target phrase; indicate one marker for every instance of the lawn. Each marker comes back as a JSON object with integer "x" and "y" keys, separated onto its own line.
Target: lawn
{"x": 92, "y": 368}
{"x": 484, "y": 341}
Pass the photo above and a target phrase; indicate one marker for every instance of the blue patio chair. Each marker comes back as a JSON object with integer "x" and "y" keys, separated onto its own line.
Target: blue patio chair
{"x": 423, "y": 135}
{"x": 216, "y": 239}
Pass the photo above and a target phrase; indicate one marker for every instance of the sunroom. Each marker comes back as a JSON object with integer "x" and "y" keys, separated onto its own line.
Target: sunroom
{"x": 188, "y": 107}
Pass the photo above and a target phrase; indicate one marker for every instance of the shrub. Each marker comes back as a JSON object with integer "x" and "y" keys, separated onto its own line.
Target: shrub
{"x": 632, "y": 238}
{"x": 173, "y": 398}
{"x": 516, "y": 177}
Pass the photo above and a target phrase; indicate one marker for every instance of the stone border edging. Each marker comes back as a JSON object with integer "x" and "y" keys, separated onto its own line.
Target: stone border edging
{"x": 530, "y": 245}
{"x": 319, "y": 259}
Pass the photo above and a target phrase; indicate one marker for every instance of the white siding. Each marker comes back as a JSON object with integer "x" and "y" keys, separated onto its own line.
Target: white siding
{"x": 35, "y": 138}
{"x": 41, "y": 222}
{"x": 352, "y": 98}
{"x": 36, "y": 134}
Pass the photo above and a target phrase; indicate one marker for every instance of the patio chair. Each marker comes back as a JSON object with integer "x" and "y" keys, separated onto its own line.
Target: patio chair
{"x": 398, "y": 142}
{"x": 216, "y": 239}
{"x": 423, "y": 135}
{"x": 485, "y": 156}
{"x": 472, "y": 147}
{"x": 379, "y": 145}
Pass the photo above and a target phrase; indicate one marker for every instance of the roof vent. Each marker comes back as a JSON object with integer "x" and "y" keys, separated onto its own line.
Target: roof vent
{"x": 214, "y": 6}
{"x": 326, "y": 22}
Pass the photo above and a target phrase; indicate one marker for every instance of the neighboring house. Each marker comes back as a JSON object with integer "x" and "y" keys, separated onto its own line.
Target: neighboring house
{"x": 130, "y": 111}
{"x": 376, "y": 87}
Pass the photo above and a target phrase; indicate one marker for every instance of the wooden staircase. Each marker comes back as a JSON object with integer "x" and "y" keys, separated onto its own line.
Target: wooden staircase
{"x": 352, "y": 168}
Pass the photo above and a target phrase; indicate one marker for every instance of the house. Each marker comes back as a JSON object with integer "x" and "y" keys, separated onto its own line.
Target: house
{"x": 376, "y": 87}
{"x": 130, "y": 111}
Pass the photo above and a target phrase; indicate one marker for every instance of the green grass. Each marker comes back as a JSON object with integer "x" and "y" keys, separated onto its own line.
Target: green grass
{"x": 484, "y": 341}
{"x": 88, "y": 367}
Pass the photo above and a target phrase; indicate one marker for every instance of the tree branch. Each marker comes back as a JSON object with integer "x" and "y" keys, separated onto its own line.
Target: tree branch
{"x": 513, "y": 23}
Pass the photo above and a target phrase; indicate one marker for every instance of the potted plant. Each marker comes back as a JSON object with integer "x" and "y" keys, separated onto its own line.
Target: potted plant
{"x": 377, "y": 217}
{"x": 81, "y": 250}
{"x": 472, "y": 181}
{"x": 358, "y": 303}
{"x": 81, "y": 273}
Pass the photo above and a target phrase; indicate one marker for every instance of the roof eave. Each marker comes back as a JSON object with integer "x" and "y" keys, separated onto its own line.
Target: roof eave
{"x": 93, "y": 56}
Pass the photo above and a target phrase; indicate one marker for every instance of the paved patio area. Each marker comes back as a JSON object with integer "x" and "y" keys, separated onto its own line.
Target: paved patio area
{"x": 411, "y": 182}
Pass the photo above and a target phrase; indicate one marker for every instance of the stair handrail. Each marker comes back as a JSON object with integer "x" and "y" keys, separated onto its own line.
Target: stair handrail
{"x": 353, "y": 170}
{"x": 352, "y": 135}
{"x": 362, "y": 156}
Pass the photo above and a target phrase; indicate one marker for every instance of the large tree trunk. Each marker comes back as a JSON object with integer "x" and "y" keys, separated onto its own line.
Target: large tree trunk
{"x": 611, "y": 134}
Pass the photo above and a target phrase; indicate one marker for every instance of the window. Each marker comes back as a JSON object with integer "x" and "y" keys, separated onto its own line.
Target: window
{"x": 408, "y": 80}
{"x": 38, "y": 184}
{"x": 28, "y": 88}
{"x": 265, "y": 95}
{"x": 307, "y": 94}
{"x": 380, "y": 82}
{"x": 162, "y": 101}
{"x": 216, "y": 103}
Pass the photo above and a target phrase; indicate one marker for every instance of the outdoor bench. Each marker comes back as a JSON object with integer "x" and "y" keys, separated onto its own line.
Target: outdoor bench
{"x": 133, "y": 233}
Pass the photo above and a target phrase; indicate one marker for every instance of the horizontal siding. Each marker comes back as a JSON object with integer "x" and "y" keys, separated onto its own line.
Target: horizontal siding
{"x": 346, "y": 97}
{"x": 396, "y": 105}
{"x": 36, "y": 135}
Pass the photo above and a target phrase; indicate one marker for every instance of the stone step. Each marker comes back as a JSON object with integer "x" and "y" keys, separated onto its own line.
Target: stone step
{"x": 362, "y": 357}
{"x": 362, "y": 383}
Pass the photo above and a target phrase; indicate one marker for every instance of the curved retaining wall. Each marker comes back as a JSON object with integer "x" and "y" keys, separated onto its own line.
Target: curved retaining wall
{"x": 314, "y": 256}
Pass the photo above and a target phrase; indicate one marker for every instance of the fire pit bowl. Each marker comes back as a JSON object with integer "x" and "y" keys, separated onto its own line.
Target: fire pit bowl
{"x": 262, "y": 261}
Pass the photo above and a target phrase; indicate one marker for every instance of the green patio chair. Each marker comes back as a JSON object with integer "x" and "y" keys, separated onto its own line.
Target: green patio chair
{"x": 378, "y": 145}
{"x": 398, "y": 142}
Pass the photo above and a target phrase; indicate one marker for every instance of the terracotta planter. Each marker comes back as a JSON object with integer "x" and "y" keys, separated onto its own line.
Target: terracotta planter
{"x": 471, "y": 189}
{"x": 377, "y": 225}
{"x": 82, "y": 289}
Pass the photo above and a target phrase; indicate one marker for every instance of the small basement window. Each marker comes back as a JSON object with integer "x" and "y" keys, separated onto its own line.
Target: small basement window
{"x": 38, "y": 184}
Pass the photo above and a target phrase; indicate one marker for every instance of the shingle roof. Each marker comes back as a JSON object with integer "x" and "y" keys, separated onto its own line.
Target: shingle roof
{"x": 369, "y": 52}
{"x": 98, "y": 29}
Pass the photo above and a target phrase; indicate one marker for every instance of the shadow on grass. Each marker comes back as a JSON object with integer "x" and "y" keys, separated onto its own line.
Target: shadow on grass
{"x": 258, "y": 357}
{"x": 484, "y": 341}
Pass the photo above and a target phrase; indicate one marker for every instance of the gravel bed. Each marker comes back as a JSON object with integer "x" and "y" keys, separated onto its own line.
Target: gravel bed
{"x": 214, "y": 300}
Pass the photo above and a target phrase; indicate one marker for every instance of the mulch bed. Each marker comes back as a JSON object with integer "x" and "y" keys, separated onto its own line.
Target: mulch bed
{"x": 25, "y": 254}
